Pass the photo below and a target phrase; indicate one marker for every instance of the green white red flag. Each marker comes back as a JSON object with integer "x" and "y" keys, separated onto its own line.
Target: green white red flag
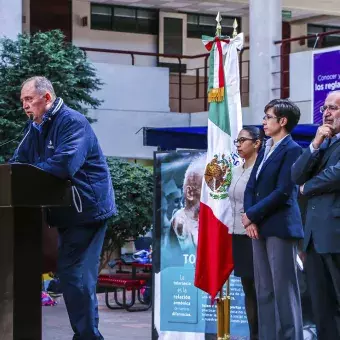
{"x": 214, "y": 262}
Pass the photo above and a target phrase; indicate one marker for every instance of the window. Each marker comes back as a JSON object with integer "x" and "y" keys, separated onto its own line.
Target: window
{"x": 199, "y": 25}
{"x": 101, "y": 17}
{"x": 173, "y": 36}
{"x": 147, "y": 21}
{"x": 124, "y": 19}
{"x": 328, "y": 40}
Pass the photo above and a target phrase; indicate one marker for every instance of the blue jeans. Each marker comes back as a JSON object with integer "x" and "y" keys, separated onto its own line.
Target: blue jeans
{"x": 78, "y": 264}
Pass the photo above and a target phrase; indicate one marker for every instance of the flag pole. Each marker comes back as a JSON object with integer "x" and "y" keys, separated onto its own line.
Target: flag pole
{"x": 220, "y": 301}
{"x": 222, "y": 312}
{"x": 226, "y": 307}
{"x": 223, "y": 303}
{"x": 226, "y": 304}
{"x": 220, "y": 317}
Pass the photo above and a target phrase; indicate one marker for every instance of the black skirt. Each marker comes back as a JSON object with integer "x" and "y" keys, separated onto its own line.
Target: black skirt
{"x": 243, "y": 256}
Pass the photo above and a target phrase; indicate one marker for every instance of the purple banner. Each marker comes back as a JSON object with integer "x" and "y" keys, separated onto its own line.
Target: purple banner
{"x": 326, "y": 78}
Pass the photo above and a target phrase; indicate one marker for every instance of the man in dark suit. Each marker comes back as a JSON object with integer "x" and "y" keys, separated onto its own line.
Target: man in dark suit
{"x": 272, "y": 219}
{"x": 317, "y": 171}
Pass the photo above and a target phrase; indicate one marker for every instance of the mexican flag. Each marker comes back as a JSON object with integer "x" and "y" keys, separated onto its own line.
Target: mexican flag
{"x": 214, "y": 262}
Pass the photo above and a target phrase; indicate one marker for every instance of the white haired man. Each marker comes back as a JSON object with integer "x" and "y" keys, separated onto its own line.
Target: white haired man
{"x": 317, "y": 171}
{"x": 185, "y": 221}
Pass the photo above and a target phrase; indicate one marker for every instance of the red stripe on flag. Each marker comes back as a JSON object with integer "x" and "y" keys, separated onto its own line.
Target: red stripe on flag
{"x": 209, "y": 45}
{"x": 220, "y": 66}
{"x": 214, "y": 261}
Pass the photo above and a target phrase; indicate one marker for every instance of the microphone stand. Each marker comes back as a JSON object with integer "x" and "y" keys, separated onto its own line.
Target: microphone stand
{"x": 31, "y": 119}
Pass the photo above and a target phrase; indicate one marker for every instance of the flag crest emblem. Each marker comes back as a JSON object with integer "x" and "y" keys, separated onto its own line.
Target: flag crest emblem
{"x": 218, "y": 176}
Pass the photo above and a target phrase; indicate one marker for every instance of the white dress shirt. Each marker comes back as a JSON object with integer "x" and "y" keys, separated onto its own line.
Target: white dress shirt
{"x": 334, "y": 139}
{"x": 270, "y": 147}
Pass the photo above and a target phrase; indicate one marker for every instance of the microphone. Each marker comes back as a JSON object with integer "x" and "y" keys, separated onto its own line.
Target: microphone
{"x": 30, "y": 120}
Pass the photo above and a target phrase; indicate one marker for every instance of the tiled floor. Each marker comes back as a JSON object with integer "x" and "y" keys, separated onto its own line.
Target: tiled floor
{"x": 114, "y": 324}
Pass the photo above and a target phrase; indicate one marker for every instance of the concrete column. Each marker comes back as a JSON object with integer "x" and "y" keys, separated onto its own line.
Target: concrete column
{"x": 10, "y": 18}
{"x": 265, "y": 27}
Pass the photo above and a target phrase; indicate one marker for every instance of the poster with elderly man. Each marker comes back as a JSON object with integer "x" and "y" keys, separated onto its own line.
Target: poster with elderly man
{"x": 182, "y": 311}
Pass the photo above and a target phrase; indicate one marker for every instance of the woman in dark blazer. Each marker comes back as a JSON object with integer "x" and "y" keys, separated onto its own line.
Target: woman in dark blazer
{"x": 272, "y": 219}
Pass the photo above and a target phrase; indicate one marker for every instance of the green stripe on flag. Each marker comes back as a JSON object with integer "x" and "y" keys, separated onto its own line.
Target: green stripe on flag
{"x": 218, "y": 112}
{"x": 211, "y": 69}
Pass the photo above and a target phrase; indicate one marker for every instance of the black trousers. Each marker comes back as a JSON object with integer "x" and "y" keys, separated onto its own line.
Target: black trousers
{"x": 250, "y": 300}
{"x": 323, "y": 279}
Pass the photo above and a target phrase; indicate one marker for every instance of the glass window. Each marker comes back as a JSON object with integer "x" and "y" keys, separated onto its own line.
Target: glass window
{"x": 199, "y": 24}
{"x": 144, "y": 14}
{"x": 312, "y": 29}
{"x": 207, "y": 21}
{"x": 332, "y": 40}
{"x": 228, "y": 22}
{"x": 192, "y": 19}
{"x": 173, "y": 38}
{"x": 147, "y": 21}
{"x": 328, "y": 40}
{"x": 124, "y": 12}
{"x": 101, "y": 17}
{"x": 124, "y": 19}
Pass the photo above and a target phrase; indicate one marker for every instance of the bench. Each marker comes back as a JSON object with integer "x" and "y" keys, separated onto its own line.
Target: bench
{"x": 126, "y": 283}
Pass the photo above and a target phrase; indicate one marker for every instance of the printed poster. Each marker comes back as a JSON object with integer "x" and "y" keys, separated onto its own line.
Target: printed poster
{"x": 181, "y": 311}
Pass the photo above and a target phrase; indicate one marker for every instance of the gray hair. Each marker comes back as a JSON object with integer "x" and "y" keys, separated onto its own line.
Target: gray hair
{"x": 195, "y": 170}
{"x": 333, "y": 92}
{"x": 42, "y": 85}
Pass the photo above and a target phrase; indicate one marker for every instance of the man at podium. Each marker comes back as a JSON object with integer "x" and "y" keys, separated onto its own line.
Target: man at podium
{"x": 60, "y": 141}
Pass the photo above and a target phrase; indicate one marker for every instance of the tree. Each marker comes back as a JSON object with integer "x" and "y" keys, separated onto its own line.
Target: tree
{"x": 133, "y": 186}
{"x": 45, "y": 54}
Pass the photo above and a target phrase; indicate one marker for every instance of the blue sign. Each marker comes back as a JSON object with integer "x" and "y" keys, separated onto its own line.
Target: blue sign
{"x": 326, "y": 78}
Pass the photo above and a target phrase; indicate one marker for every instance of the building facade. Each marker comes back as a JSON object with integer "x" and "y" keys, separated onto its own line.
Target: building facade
{"x": 126, "y": 41}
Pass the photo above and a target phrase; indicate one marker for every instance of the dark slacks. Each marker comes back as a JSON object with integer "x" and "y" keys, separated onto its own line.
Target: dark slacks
{"x": 278, "y": 295}
{"x": 323, "y": 279}
{"x": 250, "y": 300}
{"x": 78, "y": 264}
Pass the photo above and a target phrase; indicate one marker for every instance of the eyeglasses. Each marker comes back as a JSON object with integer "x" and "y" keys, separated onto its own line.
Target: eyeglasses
{"x": 267, "y": 117}
{"x": 330, "y": 108}
{"x": 242, "y": 140}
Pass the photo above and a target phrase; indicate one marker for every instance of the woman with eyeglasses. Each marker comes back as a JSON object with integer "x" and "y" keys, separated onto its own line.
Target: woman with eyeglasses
{"x": 248, "y": 144}
{"x": 272, "y": 219}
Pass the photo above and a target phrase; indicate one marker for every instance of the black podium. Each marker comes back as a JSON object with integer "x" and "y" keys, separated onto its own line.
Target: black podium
{"x": 24, "y": 193}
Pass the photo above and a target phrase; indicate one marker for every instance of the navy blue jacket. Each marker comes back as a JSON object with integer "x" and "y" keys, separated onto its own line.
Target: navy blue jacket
{"x": 270, "y": 201}
{"x": 67, "y": 147}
